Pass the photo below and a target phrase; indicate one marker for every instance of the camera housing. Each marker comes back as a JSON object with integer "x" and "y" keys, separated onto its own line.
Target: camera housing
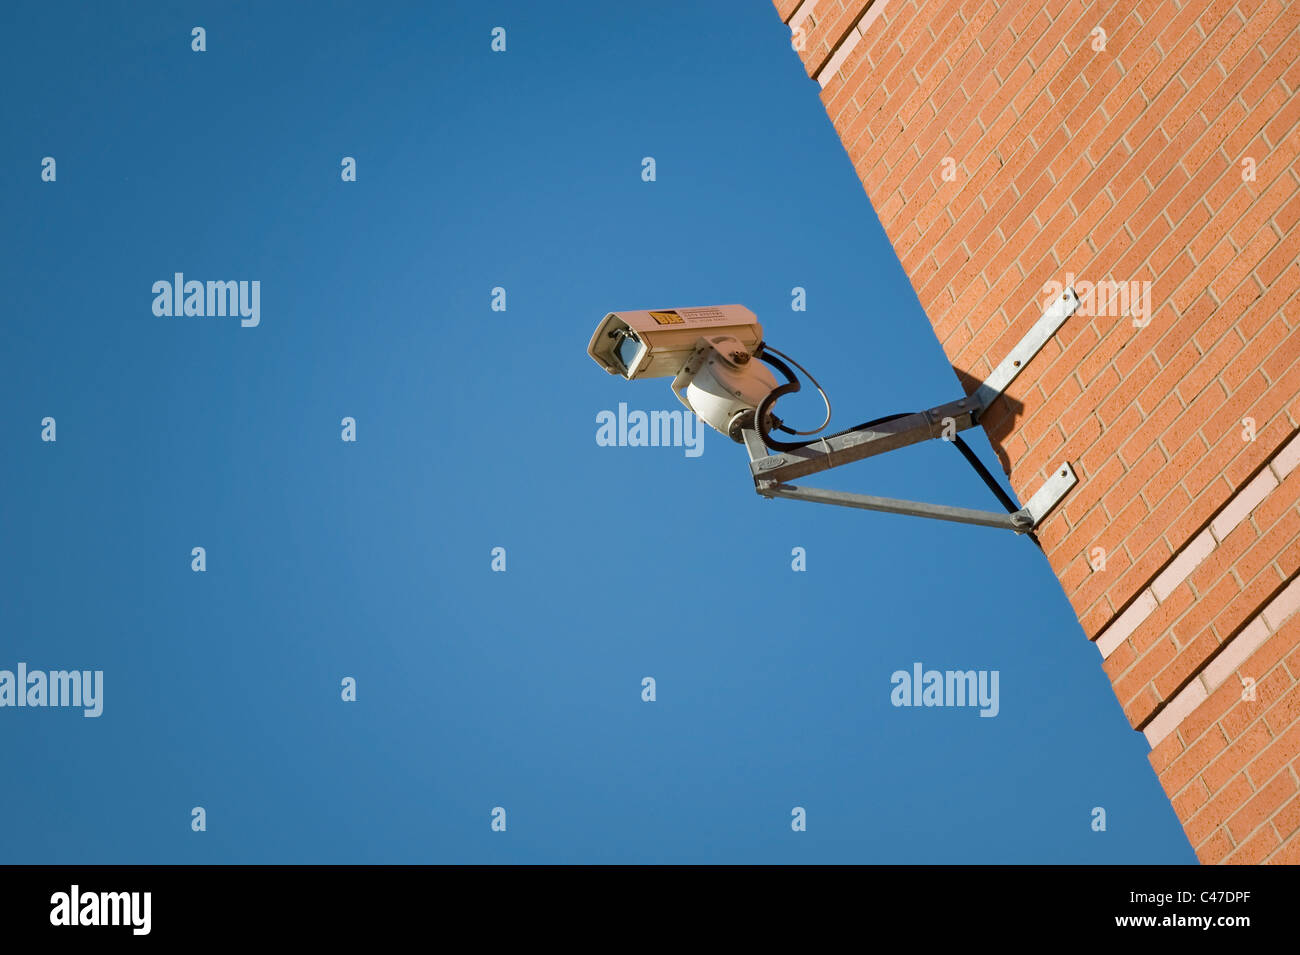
{"x": 658, "y": 343}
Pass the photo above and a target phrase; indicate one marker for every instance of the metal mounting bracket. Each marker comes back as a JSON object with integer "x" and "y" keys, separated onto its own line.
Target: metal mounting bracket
{"x": 1021, "y": 521}
{"x": 772, "y": 471}
{"x": 1050, "y": 494}
{"x": 1018, "y": 522}
{"x": 1029, "y": 346}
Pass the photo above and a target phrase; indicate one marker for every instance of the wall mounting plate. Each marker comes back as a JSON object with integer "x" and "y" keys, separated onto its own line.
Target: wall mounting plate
{"x": 1002, "y": 376}
{"x": 1050, "y": 494}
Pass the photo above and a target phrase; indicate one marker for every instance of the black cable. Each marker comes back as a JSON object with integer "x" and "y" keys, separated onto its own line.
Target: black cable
{"x": 760, "y": 413}
{"x": 983, "y": 472}
{"x": 991, "y": 481}
{"x": 789, "y": 388}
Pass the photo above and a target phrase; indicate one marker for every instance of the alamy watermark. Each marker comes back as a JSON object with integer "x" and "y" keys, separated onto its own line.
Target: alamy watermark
{"x": 1106, "y": 298}
{"x": 75, "y": 907}
{"x": 654, "y": 429}
{"x": 208, "y": 299}
{"x": 83, "y": 688}
{"x": 922, "y": 687}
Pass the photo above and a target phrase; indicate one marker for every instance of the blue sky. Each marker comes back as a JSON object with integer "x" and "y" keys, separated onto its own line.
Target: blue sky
{"x": 476, "y": 429}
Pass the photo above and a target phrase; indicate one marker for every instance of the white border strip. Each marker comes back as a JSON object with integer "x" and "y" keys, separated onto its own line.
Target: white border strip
{"x": 802, "y": 13}
{"x": 841, "y": 53}
{"x": 1228, "y": 662}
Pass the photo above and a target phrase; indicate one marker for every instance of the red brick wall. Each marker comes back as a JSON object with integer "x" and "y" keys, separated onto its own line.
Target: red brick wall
{"x": 1127, "y": 161}
{"x": 1234, "y": 779}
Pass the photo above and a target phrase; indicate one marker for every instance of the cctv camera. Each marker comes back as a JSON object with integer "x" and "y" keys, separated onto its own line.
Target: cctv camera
{"x": 707, "y": 351}
{"x": 656, "y": 344}
{"x": 716, "y": 357}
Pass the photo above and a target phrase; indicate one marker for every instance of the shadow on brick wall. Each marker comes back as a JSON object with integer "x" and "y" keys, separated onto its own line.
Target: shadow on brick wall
{"x": 999, "y": 421}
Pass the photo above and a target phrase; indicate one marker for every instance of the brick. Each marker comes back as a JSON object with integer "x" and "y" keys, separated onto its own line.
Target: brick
{"x": 1288, "y": 601}
{"x": 1269, "y": 691}
{"x": 1286, "y": 709}
{"x": 1255, "y": 849}
{"x": 1234, "y": 655}
{"x": 1163, "y": 620}
{"x": 1182, "y": 565}
{"x": 1165, "y": 753}
{"x": 1190, "y": 799}
{"x": 1275, "y": 547}
{"x": 1195, "y": 759}
{"x": 1287, "y": 820}
{"x": 1286, "y": 854}
{"x": 1273, "y": 759}
{"x": 1168, "y": 719}
{"x": 1215, "y": 813}
{"x": 1189, "y": 661}
{"x": 1241, "y": 608}
{"x": 1126, "y": 623}
{"x": 1284, "y": 498}
{"x": 1233, "y": 760}
{"x": 1260, "y": 806}
{"x": 1215, "y": 849}
{"x": 1218, "y": 702}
